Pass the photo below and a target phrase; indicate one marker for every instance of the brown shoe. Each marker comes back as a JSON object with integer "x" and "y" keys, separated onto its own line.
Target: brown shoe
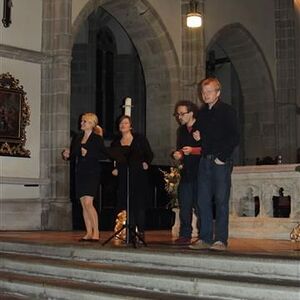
{"x": 218, "y": 246}
{"x": 199, "y": 245}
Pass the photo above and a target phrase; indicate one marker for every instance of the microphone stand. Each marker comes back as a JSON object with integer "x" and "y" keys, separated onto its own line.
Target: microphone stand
{"x": 132, "y": 237}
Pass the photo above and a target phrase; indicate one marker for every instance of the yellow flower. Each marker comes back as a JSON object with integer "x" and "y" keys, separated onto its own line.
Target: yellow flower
{"x": 172, "y": 180}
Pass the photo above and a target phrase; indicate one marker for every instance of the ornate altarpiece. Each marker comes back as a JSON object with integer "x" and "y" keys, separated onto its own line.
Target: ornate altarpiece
{"x": 14, "y": 117}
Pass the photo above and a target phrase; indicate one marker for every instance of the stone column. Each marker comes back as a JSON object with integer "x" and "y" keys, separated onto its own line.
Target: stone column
{"x": 298, "y": 76}
{"x": 55, "y": 106}
{"x": 193, "y": 53}
{"x": 286, "y": 102}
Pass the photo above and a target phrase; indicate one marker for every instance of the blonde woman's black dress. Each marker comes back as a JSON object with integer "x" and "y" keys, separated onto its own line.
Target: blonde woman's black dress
{"x": 88, "y": 167}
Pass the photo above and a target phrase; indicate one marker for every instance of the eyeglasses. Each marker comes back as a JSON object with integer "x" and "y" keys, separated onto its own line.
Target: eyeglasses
{"x": 177, "y": 115}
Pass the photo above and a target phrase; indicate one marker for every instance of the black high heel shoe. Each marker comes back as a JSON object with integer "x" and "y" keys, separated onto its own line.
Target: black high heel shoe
{"x": 140, "y": 237}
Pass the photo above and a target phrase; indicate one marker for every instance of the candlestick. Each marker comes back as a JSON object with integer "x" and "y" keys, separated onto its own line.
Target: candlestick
{"x": 128, "y": 105}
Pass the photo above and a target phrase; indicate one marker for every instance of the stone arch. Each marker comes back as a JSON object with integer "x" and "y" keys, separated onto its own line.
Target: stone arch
{"x": 159, "y": 61}
{"x": 257, "y": 88}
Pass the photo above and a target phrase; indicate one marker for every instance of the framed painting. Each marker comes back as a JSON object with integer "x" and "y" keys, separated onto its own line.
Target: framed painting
{"x": 14, "y": 117}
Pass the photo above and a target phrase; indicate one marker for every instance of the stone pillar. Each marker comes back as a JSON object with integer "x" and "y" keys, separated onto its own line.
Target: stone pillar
{"x": 55, "y": 106}
{"x": 298, "y": 76}
{"x": 286, "y": 79}
{"x": 193, "y": 53}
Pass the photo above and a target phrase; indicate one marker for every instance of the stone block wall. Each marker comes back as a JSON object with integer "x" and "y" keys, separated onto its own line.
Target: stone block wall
{"x": 286, "y": 62}
{"x": 263, "y": 182}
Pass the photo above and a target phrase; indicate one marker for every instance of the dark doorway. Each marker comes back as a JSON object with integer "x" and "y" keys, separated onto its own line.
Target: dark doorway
{"x": 105, "y": 70}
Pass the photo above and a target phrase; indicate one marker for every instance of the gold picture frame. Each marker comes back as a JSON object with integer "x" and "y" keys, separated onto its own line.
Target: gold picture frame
{"x": 14, "y": 117}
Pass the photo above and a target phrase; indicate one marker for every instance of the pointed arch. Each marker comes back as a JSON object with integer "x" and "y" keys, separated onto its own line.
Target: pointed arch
{"x": 159, "y": 61}
{"x": 257, "y": 88}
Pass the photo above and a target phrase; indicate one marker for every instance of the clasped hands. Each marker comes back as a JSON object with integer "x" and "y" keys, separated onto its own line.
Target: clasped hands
{"x": 186, "y": 150}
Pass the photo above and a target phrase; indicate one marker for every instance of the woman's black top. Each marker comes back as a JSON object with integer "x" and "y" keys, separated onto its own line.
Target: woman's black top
{"x": 130, "y": 164}
{"x": 87, "y": 168}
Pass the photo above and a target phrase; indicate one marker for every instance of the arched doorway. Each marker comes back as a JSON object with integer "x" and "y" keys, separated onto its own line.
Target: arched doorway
{"x": 157, "y": 57}
{"x": 105, "y": 70}
{"x": 250, "y": 85}
{"x": 159, "y": 62}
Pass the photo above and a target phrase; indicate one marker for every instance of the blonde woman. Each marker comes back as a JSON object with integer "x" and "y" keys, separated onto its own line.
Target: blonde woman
{"x": 88, "y": 149}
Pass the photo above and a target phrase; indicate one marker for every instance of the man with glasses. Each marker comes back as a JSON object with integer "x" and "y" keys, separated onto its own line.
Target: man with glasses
{"x": 219, "y": 136}
{"x": 188, "y": 152}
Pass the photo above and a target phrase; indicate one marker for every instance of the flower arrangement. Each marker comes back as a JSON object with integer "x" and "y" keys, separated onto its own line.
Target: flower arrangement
{"x": 172, "y": 180}
{"x": 295, "y": 234}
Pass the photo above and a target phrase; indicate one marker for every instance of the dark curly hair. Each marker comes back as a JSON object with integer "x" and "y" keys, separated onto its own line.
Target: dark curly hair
{"x": 190, "y": 106}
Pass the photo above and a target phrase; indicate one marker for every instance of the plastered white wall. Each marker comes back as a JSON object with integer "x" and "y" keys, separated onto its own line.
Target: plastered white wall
{"x": 25, "y": 31}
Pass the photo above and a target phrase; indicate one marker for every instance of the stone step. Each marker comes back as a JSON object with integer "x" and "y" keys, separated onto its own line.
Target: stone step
{"x": 12, "y": 296}
{"x": 43, "y": 287}
{"x": 177, "y": 282}
{"x": 202, "y": 262}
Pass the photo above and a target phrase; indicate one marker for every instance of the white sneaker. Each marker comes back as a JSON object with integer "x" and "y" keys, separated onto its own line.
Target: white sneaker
{"x": 218, "y": 246}
{"x": 199, "y": 245}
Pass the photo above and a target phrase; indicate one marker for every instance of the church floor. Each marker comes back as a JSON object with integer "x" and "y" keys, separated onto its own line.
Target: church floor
{"x": 157, "y": 241}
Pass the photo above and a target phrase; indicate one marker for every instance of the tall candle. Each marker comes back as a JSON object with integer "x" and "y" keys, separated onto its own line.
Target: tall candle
{"x": 127, "y": 106}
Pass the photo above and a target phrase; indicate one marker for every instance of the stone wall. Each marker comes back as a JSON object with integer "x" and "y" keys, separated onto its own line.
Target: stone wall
{"x": 256, "y": 218}
{"x": 55, "y": 113}
{"x": 286, "y": 62}
{"x": 193, "y": 56}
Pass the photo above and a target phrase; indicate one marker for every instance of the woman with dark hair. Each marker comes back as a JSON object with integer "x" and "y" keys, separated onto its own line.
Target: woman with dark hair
{"x": 135, "y": 157}
{"x": 87, "y": 149}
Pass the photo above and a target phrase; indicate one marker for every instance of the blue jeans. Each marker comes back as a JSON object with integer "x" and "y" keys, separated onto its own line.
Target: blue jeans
{"x": 187, "y": 198}
{"x": 214, "y": 183}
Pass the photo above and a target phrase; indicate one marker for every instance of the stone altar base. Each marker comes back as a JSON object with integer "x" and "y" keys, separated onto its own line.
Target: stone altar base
{"x": 253, "y": 188}
{"x": 261, "y": 228}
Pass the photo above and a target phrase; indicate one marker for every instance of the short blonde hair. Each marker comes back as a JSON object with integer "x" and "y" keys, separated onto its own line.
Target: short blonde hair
{"x": 208, "y": 81}
{"x": 91, "y": 117}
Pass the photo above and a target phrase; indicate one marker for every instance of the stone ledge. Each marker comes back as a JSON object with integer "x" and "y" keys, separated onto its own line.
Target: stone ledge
{"x": 267, "y": 168}
{"x": 24, "y": 181}
{"x": 28, "y": 55}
